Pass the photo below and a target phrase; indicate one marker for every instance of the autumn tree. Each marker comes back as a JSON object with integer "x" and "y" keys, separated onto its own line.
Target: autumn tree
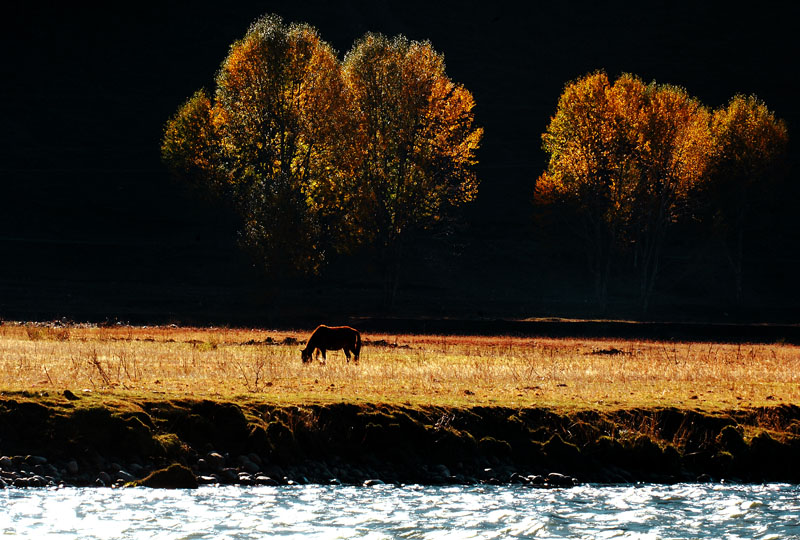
{"x": 749, "y": 142}
{"x": 265, "y": 142}
{"x": 317, "y": 155}
{"x": 672, "y": 151}
{"x": 189, "y": 143}
{"x": 592, "y": 168}
{"x": 417, "y": 131}
{"x": 625, "y": 157}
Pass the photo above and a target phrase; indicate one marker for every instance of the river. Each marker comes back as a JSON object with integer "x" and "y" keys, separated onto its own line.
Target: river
{"x": 428, "y": 512}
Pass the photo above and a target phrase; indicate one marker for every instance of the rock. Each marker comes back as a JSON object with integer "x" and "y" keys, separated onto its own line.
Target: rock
{"x": 207, "y": 480}
{"x": 442, "y": 470}
{"x": 373, "y": 482}
{"x": 517, "y": 478}
{"x": 334, "y": 482}
{"x": 216, "y": 462}
{"x": 252, "y": 456}
{"x": 38, "y": 481}
{"x": 103, "y": 479}
{"x": 124, "y": 476}
{"x": 229, "y": 475}
{"x": 247, "y": 465}
{"x": 2, "y": 484}
{"x": 70, "y": 396}
{"x": 273, "y": 471}
{"x": 35, "y": 460}
{"x": 6, "y": 464}
{"x": 72, "y": 467}
{"x": 202, "y": 465}
{"x": 262, "y": 480}
{"x": 245, "y": 479}
{"x": 555, "y": 479}
{"x": 175, "y": 476}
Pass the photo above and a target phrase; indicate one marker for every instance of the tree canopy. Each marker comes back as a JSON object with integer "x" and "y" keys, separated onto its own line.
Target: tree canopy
{"x": 318, "y": 155}
{"x": 629, "y": 159}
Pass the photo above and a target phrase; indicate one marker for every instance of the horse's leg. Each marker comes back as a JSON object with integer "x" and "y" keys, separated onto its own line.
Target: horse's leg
{"x": 324, "y": 358}
{"x": 347, "y": 354}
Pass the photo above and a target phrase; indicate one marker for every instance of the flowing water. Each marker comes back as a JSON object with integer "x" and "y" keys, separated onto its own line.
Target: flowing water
{"x": 587, "y": 511}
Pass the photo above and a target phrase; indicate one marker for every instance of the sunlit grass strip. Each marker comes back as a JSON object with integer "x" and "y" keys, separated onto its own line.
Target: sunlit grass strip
{"x": 398, "y": 369}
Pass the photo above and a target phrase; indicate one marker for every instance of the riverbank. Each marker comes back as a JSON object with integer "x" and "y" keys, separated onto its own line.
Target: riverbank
{"x": 67, "y": 439}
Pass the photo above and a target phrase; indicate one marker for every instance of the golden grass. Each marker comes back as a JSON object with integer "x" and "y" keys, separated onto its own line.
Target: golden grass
{"x": 397, "y": 369}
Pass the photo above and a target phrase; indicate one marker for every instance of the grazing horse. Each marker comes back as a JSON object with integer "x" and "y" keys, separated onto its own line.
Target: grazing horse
{"x": 332, "y": 338}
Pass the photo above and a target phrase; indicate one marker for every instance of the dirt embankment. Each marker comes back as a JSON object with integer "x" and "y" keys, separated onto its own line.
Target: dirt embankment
{"x": 49, "y": 440}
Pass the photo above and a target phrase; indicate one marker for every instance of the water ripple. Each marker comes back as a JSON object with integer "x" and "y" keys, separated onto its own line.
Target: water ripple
{"x": 411, "y": 512}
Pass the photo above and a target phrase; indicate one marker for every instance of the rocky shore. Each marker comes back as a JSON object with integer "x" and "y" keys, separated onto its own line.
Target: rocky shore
{"x": 50, "y": 441}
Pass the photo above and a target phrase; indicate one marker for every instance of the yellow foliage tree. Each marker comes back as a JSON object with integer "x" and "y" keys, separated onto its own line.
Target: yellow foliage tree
{"x": 672, "y": 154}
{"x": 593, "y": 168}
{"x": 316, "y": 154}
{"x": 278, "y": 104}
{"x": 417, "y": 131}
{"x": 625, "y": 157}
{"x": 189, "y": 142}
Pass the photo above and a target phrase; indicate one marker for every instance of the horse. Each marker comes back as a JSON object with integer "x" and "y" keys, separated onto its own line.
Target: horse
{"x": 332, "y": 338}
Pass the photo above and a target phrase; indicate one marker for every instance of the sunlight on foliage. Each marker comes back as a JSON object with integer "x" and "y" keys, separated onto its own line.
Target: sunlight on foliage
{"x": 629, "y": 159}
{"x": 319, "y": 155}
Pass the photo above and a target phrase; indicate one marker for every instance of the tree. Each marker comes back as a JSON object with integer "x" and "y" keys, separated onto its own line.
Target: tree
{"x": 317, "y": 155}
{"x": 189, "y": 143}
{"x": 624, "y": 157}
{"x": 672, "y": 157}
{"x": 749, "y": 142}
{"x": 417, "y": 131}
{"x": 592, "y": 166}
{"x": 267, "y": 139}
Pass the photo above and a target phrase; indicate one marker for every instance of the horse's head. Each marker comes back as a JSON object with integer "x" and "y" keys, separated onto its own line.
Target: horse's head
{"x": 305, "y": 355}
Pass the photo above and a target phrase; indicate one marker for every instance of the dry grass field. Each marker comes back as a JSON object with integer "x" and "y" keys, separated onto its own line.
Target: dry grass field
{"x": 222, "y": 363}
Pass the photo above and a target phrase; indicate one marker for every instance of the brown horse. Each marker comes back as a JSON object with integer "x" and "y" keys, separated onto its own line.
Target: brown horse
{"x": 332, "y": 338}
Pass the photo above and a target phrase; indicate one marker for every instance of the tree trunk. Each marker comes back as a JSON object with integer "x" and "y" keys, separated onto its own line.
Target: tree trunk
{"x": 392, "y": 270}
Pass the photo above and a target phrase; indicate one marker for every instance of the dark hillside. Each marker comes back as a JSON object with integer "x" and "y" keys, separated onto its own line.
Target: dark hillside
{"x": 92, "y": 227}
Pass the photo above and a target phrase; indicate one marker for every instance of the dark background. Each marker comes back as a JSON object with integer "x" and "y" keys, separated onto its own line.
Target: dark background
{"x": 93, "y": 228}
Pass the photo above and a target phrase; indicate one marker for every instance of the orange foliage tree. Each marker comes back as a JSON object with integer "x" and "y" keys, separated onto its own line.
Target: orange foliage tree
{"x": 672, "y": 155}
{"x": 592, "y": 168}
{"x": 625, "y": 157}
{"x": 749, "y": 142}
{"x": 265, "y": 139}
{"x": 189, "y": 142}
{"x": 417, "y": 131}
{"x": 318, "y": 155}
